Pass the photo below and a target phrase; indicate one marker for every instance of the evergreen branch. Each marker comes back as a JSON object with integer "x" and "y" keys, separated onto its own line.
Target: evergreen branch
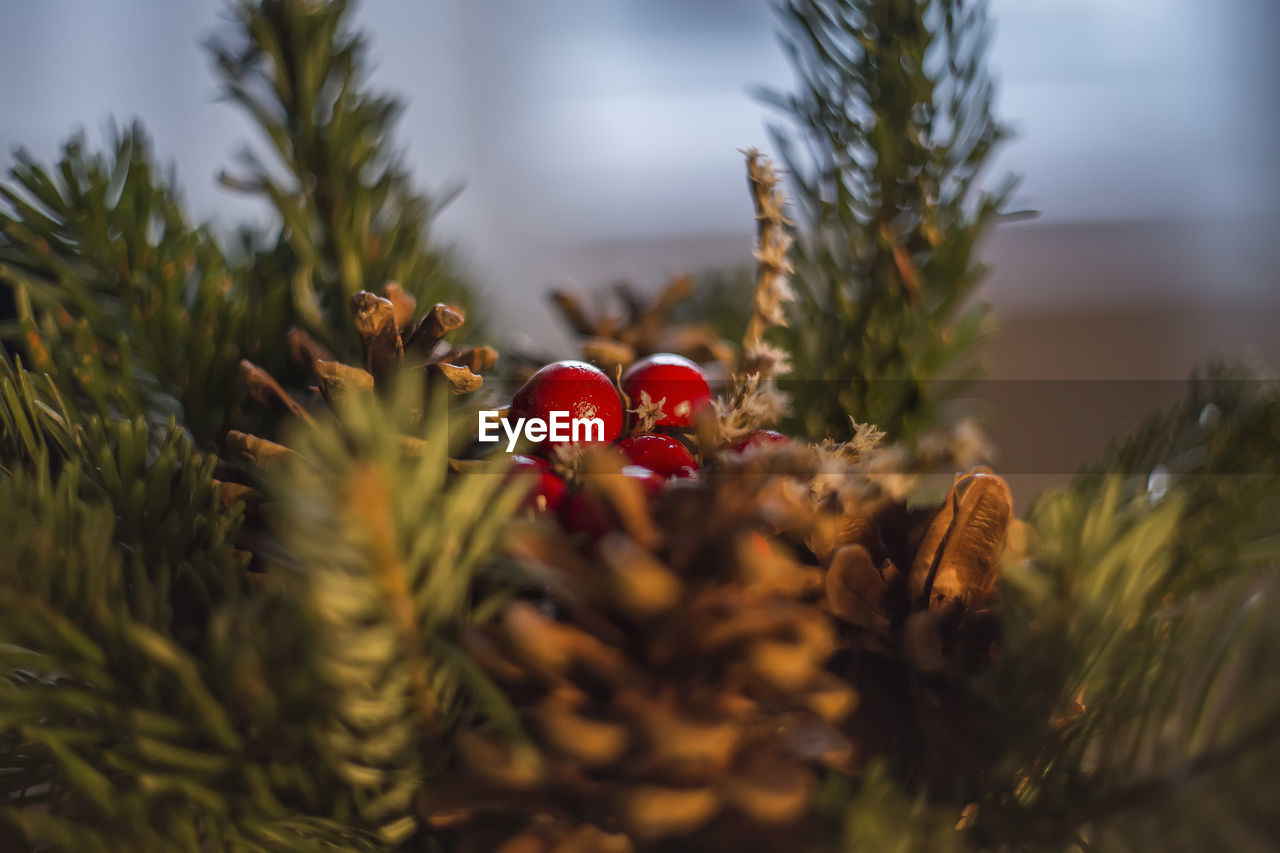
{"x": 889, "y": 129}
{"x": 1156, "y": 791}
{"x": 878, "y": 815}
{"x": 387, "y": 552}
{"x": 135, "y": 311}
{"x": 149, "y": 699}
{"x": 129, "y": 307}
{"x": 158, "y": 489}
{"x": 125, "y": 689}
{"x": 1193, "y": 744}
{"x": 1143, "y": 648}
{"x": 114, "y": 561}
{"x": 1216, "y": 445}
{"x": 350, "y": 217}
{"x": 369, "y": 506}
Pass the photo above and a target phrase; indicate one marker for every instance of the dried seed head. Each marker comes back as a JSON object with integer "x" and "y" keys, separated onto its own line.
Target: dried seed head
{"x": 648, "y": 412}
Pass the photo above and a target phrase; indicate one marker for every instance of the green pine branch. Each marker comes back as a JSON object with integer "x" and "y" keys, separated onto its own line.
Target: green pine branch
{"x": 1141, "y": 640}
{"x": 879, "y": 816}
{"x": 1218, "y": 445}
{"x": 152, "y": 694}
{"x": 137, "y": 311}
{"x": 158, "y": 491}
{"x": 132, "y": 309}
{"x": 388, "y": 547}
{"x": 887, "y": 136}
{"x": 114, "y": 560}
{"x": 350, "y": 218}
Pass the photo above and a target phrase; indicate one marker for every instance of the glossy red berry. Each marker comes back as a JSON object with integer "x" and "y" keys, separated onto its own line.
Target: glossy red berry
{"x": 576, "y": 387}
{"x": 647, "y": 478}
{"x": 673, "y": 377}
{"x": 546, "y": 490}
{"x": 758, "y": 439}
{"x": 662, "y": 454}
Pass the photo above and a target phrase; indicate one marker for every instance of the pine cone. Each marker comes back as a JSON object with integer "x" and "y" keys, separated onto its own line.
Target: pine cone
{"x": 613, "y": 342}
{"x": 393, "y": 338}
{"x": 686, "y": 681}
{"x": 915, "y": 592}
{"x": 673, "y": 691}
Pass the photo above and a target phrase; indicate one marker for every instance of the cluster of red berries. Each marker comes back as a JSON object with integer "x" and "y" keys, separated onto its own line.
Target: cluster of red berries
{"x": 585, "y": 391}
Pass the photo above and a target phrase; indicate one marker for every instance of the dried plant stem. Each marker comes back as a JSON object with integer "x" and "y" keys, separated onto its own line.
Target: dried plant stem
{"x": 753, "y": 400}
{"x": 773, "y": 242}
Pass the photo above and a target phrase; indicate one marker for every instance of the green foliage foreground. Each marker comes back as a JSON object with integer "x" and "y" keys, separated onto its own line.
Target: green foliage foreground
{"x": 156, "y": 695}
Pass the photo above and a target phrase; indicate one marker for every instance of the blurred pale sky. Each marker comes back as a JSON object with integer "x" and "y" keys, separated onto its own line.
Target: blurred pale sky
{"x": 585, "y": 125}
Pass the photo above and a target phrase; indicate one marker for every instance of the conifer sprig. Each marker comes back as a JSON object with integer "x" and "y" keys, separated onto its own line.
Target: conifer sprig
{"x": 128, "y": 305}
{"x": 885, "y": 141}
{"x": 350, "y": 217}
{"x": 153, "y": 694}
{"x": 388, "y": 550}
{"x": 1140, "y": 638}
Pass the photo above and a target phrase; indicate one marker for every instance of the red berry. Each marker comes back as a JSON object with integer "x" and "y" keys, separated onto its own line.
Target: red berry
{"x": 673, "y": 377}
{"x": 587, "y": 513}
{"x": 661, "y": 454}
{"x": 651, "y": 482}
{"x": 546, "y": 491}
{"x": 583, "y": 513}
{"x": 575, "y": 387}
{"x": 758, "y": 439}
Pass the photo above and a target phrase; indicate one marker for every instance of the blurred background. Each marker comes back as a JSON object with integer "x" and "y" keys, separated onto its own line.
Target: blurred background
{"x": 597, "y": 139}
